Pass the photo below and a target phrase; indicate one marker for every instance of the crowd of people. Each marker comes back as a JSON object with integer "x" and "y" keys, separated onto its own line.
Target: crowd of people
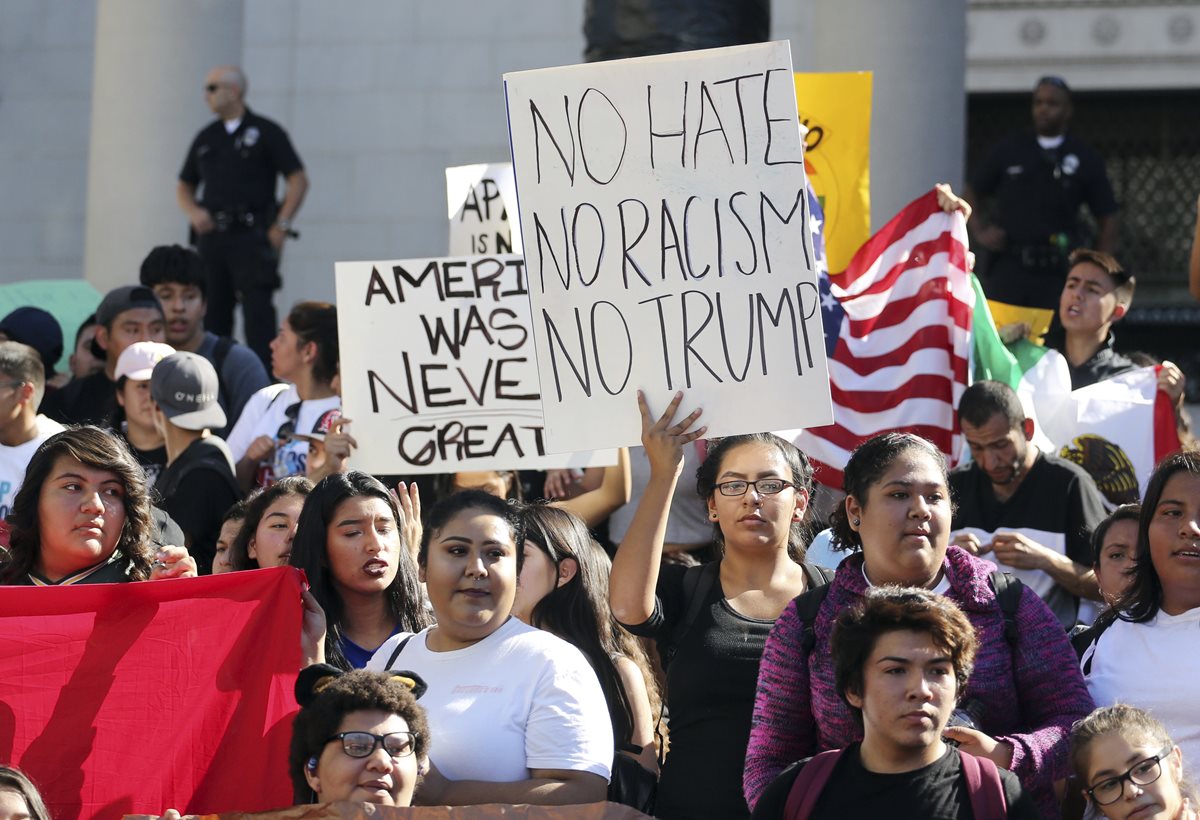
{"x": 560, "y": 638}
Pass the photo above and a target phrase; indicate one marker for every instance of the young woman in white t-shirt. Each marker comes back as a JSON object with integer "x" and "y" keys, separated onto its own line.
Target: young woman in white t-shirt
{"x": 518, "y": 713}
{"x": 1144, "y": 651}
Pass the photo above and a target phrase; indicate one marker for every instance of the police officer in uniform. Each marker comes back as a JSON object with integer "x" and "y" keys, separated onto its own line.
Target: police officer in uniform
{"x": 1039, "y": 180}
{"x": 227, "y": 190}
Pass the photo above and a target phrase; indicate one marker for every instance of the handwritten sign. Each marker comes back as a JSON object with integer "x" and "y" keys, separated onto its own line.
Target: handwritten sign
{"x": 667, "y": 236}
{"x": 482, "y": 205}
{"x": 437, "y": 366}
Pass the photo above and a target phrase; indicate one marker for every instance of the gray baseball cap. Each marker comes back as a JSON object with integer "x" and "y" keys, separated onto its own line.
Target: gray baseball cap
{"x": 184, "y": 386}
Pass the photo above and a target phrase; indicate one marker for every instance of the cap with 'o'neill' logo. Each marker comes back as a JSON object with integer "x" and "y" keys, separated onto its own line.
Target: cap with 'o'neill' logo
{"x": 184, "y": 386}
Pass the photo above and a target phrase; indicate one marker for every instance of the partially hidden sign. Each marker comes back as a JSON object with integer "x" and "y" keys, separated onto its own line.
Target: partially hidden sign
{"x": 437, "y": 366}
{"x": 668, "y": 242}
{"x": 835, "y": 108}
{"x": 481, "y": 203}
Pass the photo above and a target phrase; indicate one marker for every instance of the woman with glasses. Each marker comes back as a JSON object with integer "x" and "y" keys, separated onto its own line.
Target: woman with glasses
{"x": 359, "y": 736}
{"x": 83, "y": 517}
{"x": 1128, "y": 766}
{"x": 304, "y": 357}
{"x": 711, "y": 622}
{"x": 1025, "y": 690}
{"x": 1144, "y": 649}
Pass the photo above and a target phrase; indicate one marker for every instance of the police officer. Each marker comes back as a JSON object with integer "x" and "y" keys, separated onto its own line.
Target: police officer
{"x": 227, "y": 190}
{"x": 1039, "y": 180}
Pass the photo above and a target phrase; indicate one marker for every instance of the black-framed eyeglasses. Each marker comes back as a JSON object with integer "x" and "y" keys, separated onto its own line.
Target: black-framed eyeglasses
{"x": 13, "y": 385}
{"x": 1142, "y": 773}
{"x": 212, "y": 88}
{"x": 763, "y": 486}
{"x": 364, "y": 744}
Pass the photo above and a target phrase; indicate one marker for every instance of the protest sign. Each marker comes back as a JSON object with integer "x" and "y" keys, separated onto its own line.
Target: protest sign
{"x": 836, "y": 110}
{"x": 437, "y": 366}
{"x": 123, "y": 698}
{"x": 666, "y": 231}
{"x": 482, "y": 207}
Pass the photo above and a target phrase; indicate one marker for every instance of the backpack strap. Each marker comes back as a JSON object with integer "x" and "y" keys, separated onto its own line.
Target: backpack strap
{"x": 984, "y": 787}
{"x": 808, "y": 605}
{"x": 396, "y": 652}
{"x": 1089, "y": 637}
{"x": 1008, "y": 589}
{"x": 817, "y": 575}
{"x": 220, "y": 353}
{"x": 810, "y": 781}
{"x": 697, "y": 584}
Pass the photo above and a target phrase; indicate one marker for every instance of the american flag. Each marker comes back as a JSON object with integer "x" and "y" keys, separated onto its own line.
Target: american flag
{"x": 897, "y": 334}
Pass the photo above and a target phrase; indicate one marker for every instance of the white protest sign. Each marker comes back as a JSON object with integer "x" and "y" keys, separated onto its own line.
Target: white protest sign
{"x": 481, "y": 203}
{"x": 666, "y": 232}
{"x": 437, "y": 367}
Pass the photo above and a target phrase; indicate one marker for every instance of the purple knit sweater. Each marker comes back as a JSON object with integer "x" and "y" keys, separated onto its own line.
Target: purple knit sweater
{"x": 1031, "y": 693}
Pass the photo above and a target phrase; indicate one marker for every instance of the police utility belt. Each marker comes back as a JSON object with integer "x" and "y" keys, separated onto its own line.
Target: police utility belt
{"x": 240, "y": 219}
{"x": 1043, "y": 257}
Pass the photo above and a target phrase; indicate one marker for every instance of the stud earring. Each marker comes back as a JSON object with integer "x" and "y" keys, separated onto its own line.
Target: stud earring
{"x": 312, "y": 764}
{"x": 858, "y": 522}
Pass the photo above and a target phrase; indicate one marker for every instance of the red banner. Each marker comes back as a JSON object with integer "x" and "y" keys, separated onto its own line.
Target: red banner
{"x": 129, "y": 698}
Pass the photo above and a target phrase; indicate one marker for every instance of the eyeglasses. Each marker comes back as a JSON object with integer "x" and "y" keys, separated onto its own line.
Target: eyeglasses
{"x": 12, "y": 385}
{"x": 1142, "y": 773}
{"x": 764, "y": 486}
{"x": 288, "y": 428}
{"x": 364, "y": 744}
{"x": 212, "y": 88}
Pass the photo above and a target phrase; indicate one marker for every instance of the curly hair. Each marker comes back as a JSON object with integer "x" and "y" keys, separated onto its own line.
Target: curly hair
{"x": 405, "y": 600}
{"x": 256, "y": 508}
{"x": 869, "y": 462}
{"x": 890, "y": 609}
{"x": 99, "y": 450}
{"x": 797, "y": 462}
{"x": 356, "y": 691}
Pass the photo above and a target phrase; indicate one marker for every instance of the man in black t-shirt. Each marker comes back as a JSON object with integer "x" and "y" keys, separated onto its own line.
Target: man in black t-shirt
{"x": 1038, "y": 181}
{"x": 227, "y": 190}
{"x": 126, "y": 315}
{"x": 901, "y": 660}
{"x": 1031, "y": 512}
{"x": 198, "y": 485}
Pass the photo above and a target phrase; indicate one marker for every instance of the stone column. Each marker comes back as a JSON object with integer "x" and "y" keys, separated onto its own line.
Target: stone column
{"x": 147, "y": 104}
{"x": 917, "y": 51}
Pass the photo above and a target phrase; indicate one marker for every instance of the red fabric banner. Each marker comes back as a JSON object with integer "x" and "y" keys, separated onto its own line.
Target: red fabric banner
{"x": 130, "y": 698}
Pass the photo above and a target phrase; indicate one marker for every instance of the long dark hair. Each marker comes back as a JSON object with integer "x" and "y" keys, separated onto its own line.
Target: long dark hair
{"x": 405, "y": 600}
{"x": 256, "y": 508}
{"x": 797, "y": 462}
{"x": 866, "y": 467}
{"x": 450, "y": 506}
{"x": 578, "y": 610}
{"x": 1143, "y": 599}
{"x": 15, "y": 780}
{"x": 99, "y": 450}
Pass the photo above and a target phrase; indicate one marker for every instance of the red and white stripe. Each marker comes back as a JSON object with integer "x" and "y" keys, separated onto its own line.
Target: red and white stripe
{"x": 903, "y": 350}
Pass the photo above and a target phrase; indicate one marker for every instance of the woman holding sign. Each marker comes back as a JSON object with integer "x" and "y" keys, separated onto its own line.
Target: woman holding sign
{"x": 711, "y": 621}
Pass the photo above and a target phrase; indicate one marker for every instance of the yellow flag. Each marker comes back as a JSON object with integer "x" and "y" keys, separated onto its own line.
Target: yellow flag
{"x": 836, "y": 109}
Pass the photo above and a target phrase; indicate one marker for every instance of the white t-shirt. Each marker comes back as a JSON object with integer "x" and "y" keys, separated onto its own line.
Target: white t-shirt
{"x": 520, "y": 699}
{"x": 14, "y": 460}
{"x": 1154, "y": 666}
{"x": 266, "y": 413}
